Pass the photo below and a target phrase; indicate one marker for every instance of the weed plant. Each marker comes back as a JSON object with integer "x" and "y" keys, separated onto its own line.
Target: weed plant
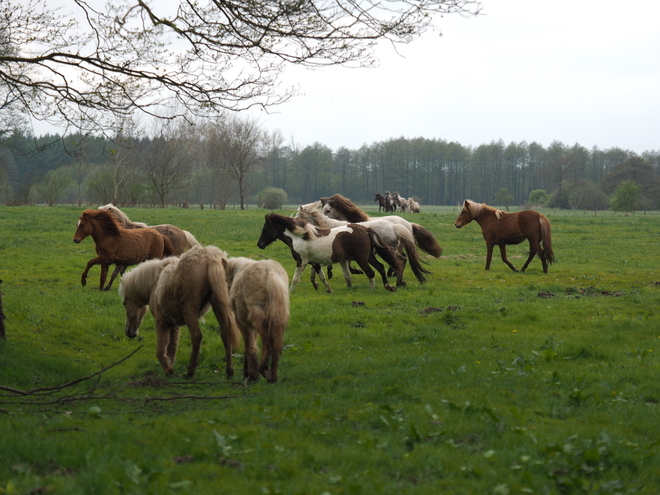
{"x": 489, "y": 382}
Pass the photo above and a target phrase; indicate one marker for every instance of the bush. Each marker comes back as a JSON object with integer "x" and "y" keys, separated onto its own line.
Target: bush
{"x": 272, "y": 198}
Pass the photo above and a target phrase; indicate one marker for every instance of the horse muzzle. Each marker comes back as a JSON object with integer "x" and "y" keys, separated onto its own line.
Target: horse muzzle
{"x": 457, "y": 226}
{"x": 77, "y": 241}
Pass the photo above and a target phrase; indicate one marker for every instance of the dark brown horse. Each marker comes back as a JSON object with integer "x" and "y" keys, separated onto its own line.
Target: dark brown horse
{"x": 116, "y": 245}
{"x": 181, "y": 240}
{"x": 316, "y": 246}
{"x": 381, "y": 201}
{"x": 501, "y": 228}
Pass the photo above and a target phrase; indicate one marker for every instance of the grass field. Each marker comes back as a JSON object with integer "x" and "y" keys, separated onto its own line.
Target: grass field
{"x": 484, "y": 382}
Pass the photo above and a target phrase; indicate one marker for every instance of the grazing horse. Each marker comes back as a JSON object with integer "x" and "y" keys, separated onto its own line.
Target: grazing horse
{"x": 116, "y": 245}
{"x": 180, "y": 291}
{"x": 259, "y": 296}
{"x": 381, "y": 201}
{"x": 341, "y": 208}
{"x": 313, "y": 245}
{"x": 501, "y": 228}
{"x": 395, "y": 235}
{"x": 181, "y": 240}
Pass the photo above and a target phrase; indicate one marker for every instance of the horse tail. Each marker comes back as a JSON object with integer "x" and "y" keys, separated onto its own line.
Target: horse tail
{"x": 546, "y": 238}
{"x": 220, "y": 302}
{"x": 190, "y": 240}
{"x": 408, "y": 241}
{"x": 277, "y": 308}
{"x": 391, "y": 256}
{"x": 168, "y": 247}
{"x": 425, "y": 240}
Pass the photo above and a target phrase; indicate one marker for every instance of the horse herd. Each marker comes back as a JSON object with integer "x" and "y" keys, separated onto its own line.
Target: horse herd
{"x": 180, "y": 280}
{"x": 391, "y": 202}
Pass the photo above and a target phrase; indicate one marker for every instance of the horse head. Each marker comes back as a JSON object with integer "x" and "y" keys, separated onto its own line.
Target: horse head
{"x": 84, "y": 227}
{"x": 468, "y": 213}
{"x": 270, "y": 231}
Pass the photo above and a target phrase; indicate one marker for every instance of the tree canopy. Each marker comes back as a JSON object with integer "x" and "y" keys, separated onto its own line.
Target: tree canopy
{"x": 87, "y": 64}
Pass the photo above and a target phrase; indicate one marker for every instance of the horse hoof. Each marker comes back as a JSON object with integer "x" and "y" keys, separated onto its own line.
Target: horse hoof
{"x": 390, "y": 288}
{"x": 401, "y": 284}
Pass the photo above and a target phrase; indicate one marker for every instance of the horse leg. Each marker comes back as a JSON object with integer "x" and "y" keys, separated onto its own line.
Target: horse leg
{"x": 489, "y": 255}
{"x": 119, "y": 270}
{"x": 381, "y": 269}
{"x": 296, "y": 277}
{"x": 271, "y": 348}
{"x": 535, "y": 248}
{"x": 173, "y": 344}
{"x": 163, "y": 335}
{"x": 196, "y": 341}
{"x": 504, "y": 258}
{"x": 90, "y": 263}
{"x": 104, "y": 275}
{"x": 325, "y": 281}
{"x": 250, "y": 364}
{"x": 345, "y": 268}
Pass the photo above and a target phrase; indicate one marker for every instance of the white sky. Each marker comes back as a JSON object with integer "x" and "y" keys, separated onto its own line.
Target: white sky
{"x": 585, "y": 71}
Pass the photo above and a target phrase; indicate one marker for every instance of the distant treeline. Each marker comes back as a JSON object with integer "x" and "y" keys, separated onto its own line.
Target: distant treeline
{"x": 212, "y": 168}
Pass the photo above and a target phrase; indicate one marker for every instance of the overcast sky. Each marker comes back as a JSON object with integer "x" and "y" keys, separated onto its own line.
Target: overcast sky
{"x": 585, "y": 71}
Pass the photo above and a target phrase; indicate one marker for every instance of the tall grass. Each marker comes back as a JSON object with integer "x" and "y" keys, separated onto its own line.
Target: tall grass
{"x": 477, "y": 382}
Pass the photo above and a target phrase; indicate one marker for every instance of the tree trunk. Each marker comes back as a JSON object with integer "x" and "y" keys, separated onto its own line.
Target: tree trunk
{"x": 3, "y": 336}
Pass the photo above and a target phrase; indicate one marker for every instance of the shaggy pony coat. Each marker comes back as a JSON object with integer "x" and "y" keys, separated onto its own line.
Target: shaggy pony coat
{"x": 180, "y": 291}
{"x": 259, "y": 296}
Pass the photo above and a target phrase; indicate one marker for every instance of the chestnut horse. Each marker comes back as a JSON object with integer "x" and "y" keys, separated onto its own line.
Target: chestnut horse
{"x": 321, "y": 247}
{"x": 181, "y": 240}
{"x": 341, "y": 208}
{"x": 116, "y": 245}
{"x": 180, "y": 291}
{"x": 259, "y": 296}
{"x": 501, "y": 228}
{"x": 381, "y": 201}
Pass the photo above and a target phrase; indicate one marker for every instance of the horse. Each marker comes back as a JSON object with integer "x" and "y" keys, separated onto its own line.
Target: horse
{"x": 501, "y": 228}
{"x": 402, "y": 203}
{"x": 116, "y": 245}
{"x": 388, "y": 203}
{"x": 314, "y": 245}
{"x": 381, "y": 201}
{"x": 413, "y": 205}
{"x": 395, "y": 235}
{"x": 341, "y": 208}
{"x": 180, "y": 291}
{"x": 259, "y": 296}
{"x": 181, "y": 240}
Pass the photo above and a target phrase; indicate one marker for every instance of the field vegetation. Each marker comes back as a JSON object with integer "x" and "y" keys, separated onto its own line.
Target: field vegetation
{"x": 476, "y": 382}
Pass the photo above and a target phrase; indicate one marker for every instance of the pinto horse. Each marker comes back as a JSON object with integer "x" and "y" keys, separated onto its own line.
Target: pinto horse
{"x": 181, "y": 240}
{"x": 321, "y": 247}
{"x": 259, "y": 296}
{"x": 116, "y": 245}
{"x": 501, "y": 228}
{"x": 395, "y": 235}
{"x": 341, "y": 208}
{"x": 180, "y": 291}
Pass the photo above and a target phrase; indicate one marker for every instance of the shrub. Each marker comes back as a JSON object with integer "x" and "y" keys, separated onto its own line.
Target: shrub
{"x": 272, "y": 198}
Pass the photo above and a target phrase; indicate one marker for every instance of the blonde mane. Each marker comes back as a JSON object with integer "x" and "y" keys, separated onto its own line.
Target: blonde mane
{"x": 476, "y": 209}
{"x": 139, "y": 282}
{"x": 121, "y": 217}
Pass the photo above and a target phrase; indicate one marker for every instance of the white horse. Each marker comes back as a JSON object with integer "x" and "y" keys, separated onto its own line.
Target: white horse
{"x": 259, "y": 296}
{"x": 180, "y": 291}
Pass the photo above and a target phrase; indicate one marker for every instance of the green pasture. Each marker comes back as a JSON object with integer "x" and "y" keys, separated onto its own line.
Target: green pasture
{"x": 475, "y": 383}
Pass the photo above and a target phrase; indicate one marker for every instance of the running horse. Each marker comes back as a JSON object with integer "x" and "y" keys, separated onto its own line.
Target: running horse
{"x": 116, "y": 245}
{"x": 501, "y": 228}
{"x": 320, "y": 247}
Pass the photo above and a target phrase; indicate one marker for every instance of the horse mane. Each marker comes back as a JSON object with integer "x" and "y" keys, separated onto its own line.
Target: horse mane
{"x": 121, "y": 217}
{"x": 138, "y": 282}
{"x": 477, "y": 209}
{"x": 347, "y": 207}
{"x": 295, "y": 225}
{"x": 105, "y": 219}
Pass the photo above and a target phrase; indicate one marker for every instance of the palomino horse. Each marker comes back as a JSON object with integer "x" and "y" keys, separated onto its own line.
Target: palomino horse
{"x": 413, "y": 205}
{"x": 181, "y": 240}
{"x": 180, "y": 291}
{"x": 395, "y": 235}
{"x": 116, "y": 245}
{"x": 314, "y": 245}
{"x": 501, "y": 228}
{"x": 399, "y": 202}
{"x": 259, "y": 296}
{"x": 341, "y": 208}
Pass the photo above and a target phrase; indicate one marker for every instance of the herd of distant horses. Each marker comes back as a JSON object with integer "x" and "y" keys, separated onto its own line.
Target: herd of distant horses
{"x": 179, "y": 280}
{"x": 390, "y": 203}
